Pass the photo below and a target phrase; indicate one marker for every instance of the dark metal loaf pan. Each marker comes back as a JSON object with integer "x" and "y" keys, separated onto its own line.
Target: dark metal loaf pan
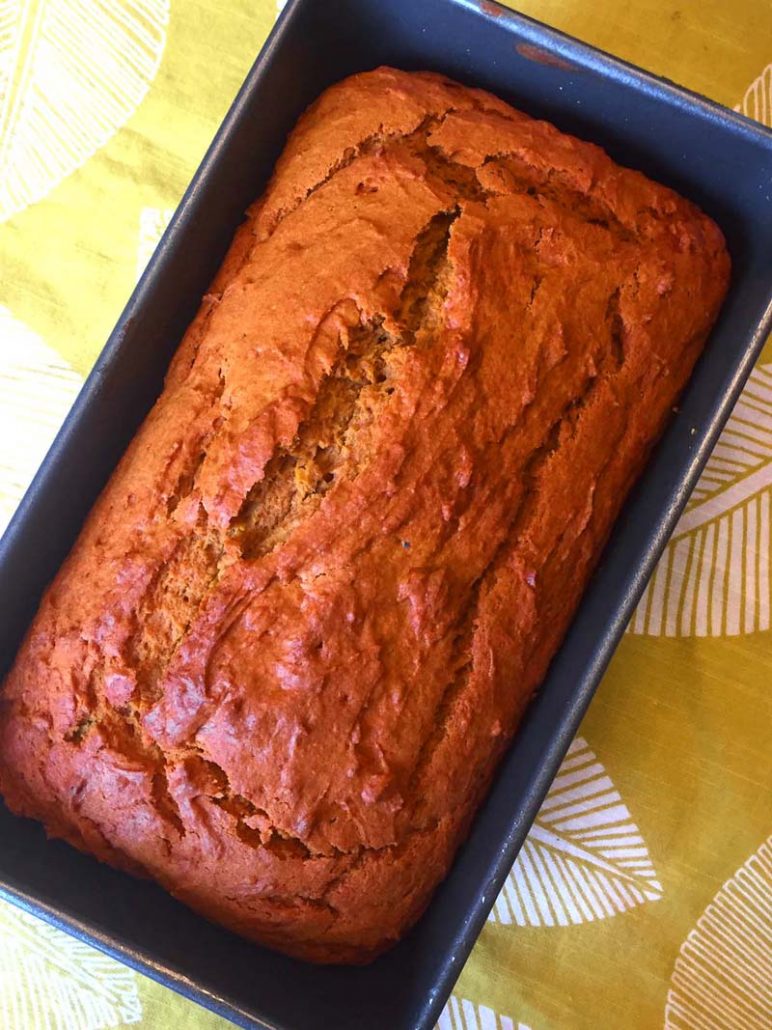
{"x": 710, "y": 154}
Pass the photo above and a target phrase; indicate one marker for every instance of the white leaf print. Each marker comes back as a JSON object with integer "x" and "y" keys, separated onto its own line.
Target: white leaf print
{"x": 723, "y": 974}
{"x": 37, "y": 389}
{"x": 584, "y": 858}
{"x": 714, "y": 576}
{"x": 280, "y": 5}
{"x": 71, "y": 74}
{"x": 757, "y": 102}
{"x": 49, "y": 979}
{"x": 462, "y": 1014}
{"x": 152, "y": 225}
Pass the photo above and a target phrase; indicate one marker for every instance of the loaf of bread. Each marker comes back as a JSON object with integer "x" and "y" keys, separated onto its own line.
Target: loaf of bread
{"x": 301, "y": 624}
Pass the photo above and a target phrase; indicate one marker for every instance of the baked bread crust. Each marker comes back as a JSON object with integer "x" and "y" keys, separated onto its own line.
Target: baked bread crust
{"x": 300, "y": 625}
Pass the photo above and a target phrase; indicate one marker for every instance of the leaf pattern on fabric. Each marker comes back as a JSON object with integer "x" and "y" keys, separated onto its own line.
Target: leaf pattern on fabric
{"x": 757, "y": 102}
{"x": 71, "y": 74}
{"x": 49, "y": 979}
{"x": 152, "y": 225}
{"x": 37, "y": 389}
{"x": 462, "y": 1014}
{"x": 714, "y": 578}
{"x": 584, "y": 858}
{"x": 723, "y": 974}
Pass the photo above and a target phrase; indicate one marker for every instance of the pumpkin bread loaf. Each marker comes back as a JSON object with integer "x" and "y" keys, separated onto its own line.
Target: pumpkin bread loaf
{"x": 280, "y": 665}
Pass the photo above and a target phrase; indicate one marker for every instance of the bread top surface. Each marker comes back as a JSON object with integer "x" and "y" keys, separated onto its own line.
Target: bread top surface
{"x": 304, "y": 617}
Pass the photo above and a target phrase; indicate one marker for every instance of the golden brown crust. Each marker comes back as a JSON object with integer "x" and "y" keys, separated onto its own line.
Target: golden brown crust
{"x": 300, "y": 625}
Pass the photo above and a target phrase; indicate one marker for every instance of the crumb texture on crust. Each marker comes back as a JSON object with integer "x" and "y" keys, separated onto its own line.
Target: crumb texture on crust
{"x": 301, "y": 623}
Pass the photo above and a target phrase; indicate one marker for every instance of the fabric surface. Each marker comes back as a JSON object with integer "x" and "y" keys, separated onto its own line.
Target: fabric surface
{"x": 643, "y": 896}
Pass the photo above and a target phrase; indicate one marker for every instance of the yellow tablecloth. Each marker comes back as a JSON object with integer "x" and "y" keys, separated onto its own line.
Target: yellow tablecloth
{"x": 643, "y": 897}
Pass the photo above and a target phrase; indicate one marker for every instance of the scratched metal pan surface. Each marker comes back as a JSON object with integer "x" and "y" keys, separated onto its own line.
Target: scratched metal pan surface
{"x": 710, "y": 154}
